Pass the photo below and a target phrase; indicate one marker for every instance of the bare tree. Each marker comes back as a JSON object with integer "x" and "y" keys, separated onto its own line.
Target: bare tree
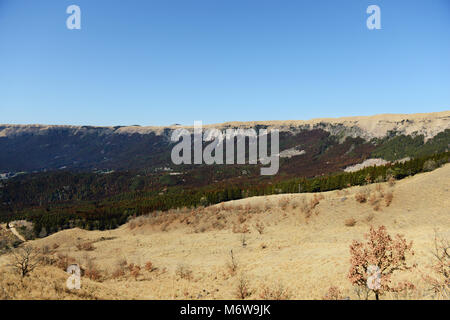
{"x": 439, "y": 279}
{"x": 25, "y": 259}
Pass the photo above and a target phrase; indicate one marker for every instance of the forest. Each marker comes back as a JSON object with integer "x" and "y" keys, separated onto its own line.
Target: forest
{"x": 107, "y": 202}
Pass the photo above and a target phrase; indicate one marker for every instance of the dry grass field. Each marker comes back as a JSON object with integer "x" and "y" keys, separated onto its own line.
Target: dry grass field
{"x": 277, "y": 247}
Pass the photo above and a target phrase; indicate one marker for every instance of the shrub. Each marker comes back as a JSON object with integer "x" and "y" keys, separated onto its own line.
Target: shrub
{"x": 149, "y": 266}
{"x": 439, "y": 279}
{"x": 283, "y": 203}
{"x": 232, "y": 264}
{"x": 350, "y": 222}
{"x": 278, "y": 293}
{"x": 361, "y": 196}
{"x": 136, "y": 271}
{"x": 333, "y": 293}
{"x": 259, "y": 226}
{"x": 382, "y": 253}
{"x": 388, "y": 198}
{"x": 118, "y": 272}
{"x": 391, "y": 181}
{"x": 63, "y": 261}
{"x": 243, "y": 290}
{"x": 85, "y": 246}
{"x": 93, "y": 273}
{"x": 184, "y": 272}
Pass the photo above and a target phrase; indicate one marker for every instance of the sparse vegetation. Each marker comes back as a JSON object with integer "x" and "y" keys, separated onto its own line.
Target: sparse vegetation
{"x": 243, "y": 290}
{"x": 232, "y": 264}
{"x": 439, "y": 278}
{"x": 333, "y": 293}
{"x": 279, "y": 292}
{"x": 259, "y": 226}
{"x": 184, "y": 272}
{"x": 85, "y": 246}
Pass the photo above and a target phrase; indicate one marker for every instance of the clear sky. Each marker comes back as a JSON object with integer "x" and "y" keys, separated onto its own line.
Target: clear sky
{"x": 159, "y": 62}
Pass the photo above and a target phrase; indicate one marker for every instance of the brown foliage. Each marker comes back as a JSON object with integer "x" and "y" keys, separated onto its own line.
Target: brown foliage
{"x": 333, "y": 293}
{"x": 275, "y": 293}
{"x": 184, "y": 272}
{"x": 382, "y": 251}
{"x": 361, "y": 196}
{"x": 388, "y": 198}
{"x": 85, "y": 246}
{"x": 149, "y": 266}
{"x": 350, "y": 222}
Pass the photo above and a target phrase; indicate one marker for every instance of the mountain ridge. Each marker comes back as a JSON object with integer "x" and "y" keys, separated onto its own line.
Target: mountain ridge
{"x": 428, "y": 124}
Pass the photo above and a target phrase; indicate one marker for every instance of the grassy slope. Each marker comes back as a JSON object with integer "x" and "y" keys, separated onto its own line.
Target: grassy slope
{"x": 305, "y": 255}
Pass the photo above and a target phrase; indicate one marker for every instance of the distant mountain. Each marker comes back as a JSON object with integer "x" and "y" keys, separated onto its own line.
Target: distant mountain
{"x": 331, "y": 143}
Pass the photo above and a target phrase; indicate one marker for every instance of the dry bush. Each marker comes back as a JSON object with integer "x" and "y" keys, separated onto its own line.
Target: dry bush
{"x": 373, "y": 199}
{"x": 45, "y": 250}
{"x": 243, "y": 290}
{"x": 307, "y": 207}
{"x": 132, "y": 224}
{"x": 135, "y": 272}
{"x": 439, "y": 278}
{"x": 388, "y": 198}
{"x": 118, "y": 273}
{"x": 242, "y": 218}
{"x": 91, "y": 271}
{"x": 278, "y": 293}
{"x": 240, "y": 228}
{"x": 350, "y": 222}
{"x": 333, "y": 293}
{"x": 316, "y": 200}
{"x": 391, "y": 181}
{"x": 55, "y": 246}
{"x": 149, "y": 266}
{"x": 387, "y": 254}
{"x": 25, "y": 259}
{"x": 85, "y": 246}
{"x": 362, "y": 195}
{"x": 243, "y": 240}
{"x": 283, "y": 202}
{"x": 93, "y": 274}
{"x": 369, "y": 217}
{"x": 184, "y": 272}
{"x": 232, "y": 264}
{"x": 165, "y": 226}
{"x": 259, "y": 226}
{"x": 63, "y": 261}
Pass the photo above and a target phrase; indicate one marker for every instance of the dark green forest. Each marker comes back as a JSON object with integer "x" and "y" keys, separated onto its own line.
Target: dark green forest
{"x": 107, "y": 201}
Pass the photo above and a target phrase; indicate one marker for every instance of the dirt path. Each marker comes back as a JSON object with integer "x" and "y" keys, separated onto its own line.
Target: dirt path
{"x": 17, "y": 234}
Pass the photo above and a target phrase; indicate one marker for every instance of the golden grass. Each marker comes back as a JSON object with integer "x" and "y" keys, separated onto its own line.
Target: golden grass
{"x": 299, "y": 247}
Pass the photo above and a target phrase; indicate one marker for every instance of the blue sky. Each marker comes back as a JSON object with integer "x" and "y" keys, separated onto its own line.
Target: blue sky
{"x": 175, "y": 61}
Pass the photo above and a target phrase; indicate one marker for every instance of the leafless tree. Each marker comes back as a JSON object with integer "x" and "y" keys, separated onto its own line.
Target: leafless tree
{"x": 25, "y": 259}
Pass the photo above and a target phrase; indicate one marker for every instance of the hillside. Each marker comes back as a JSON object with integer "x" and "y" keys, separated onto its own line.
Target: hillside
{"x": 45, "y": 147}
{"x": 304, "y": 246}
